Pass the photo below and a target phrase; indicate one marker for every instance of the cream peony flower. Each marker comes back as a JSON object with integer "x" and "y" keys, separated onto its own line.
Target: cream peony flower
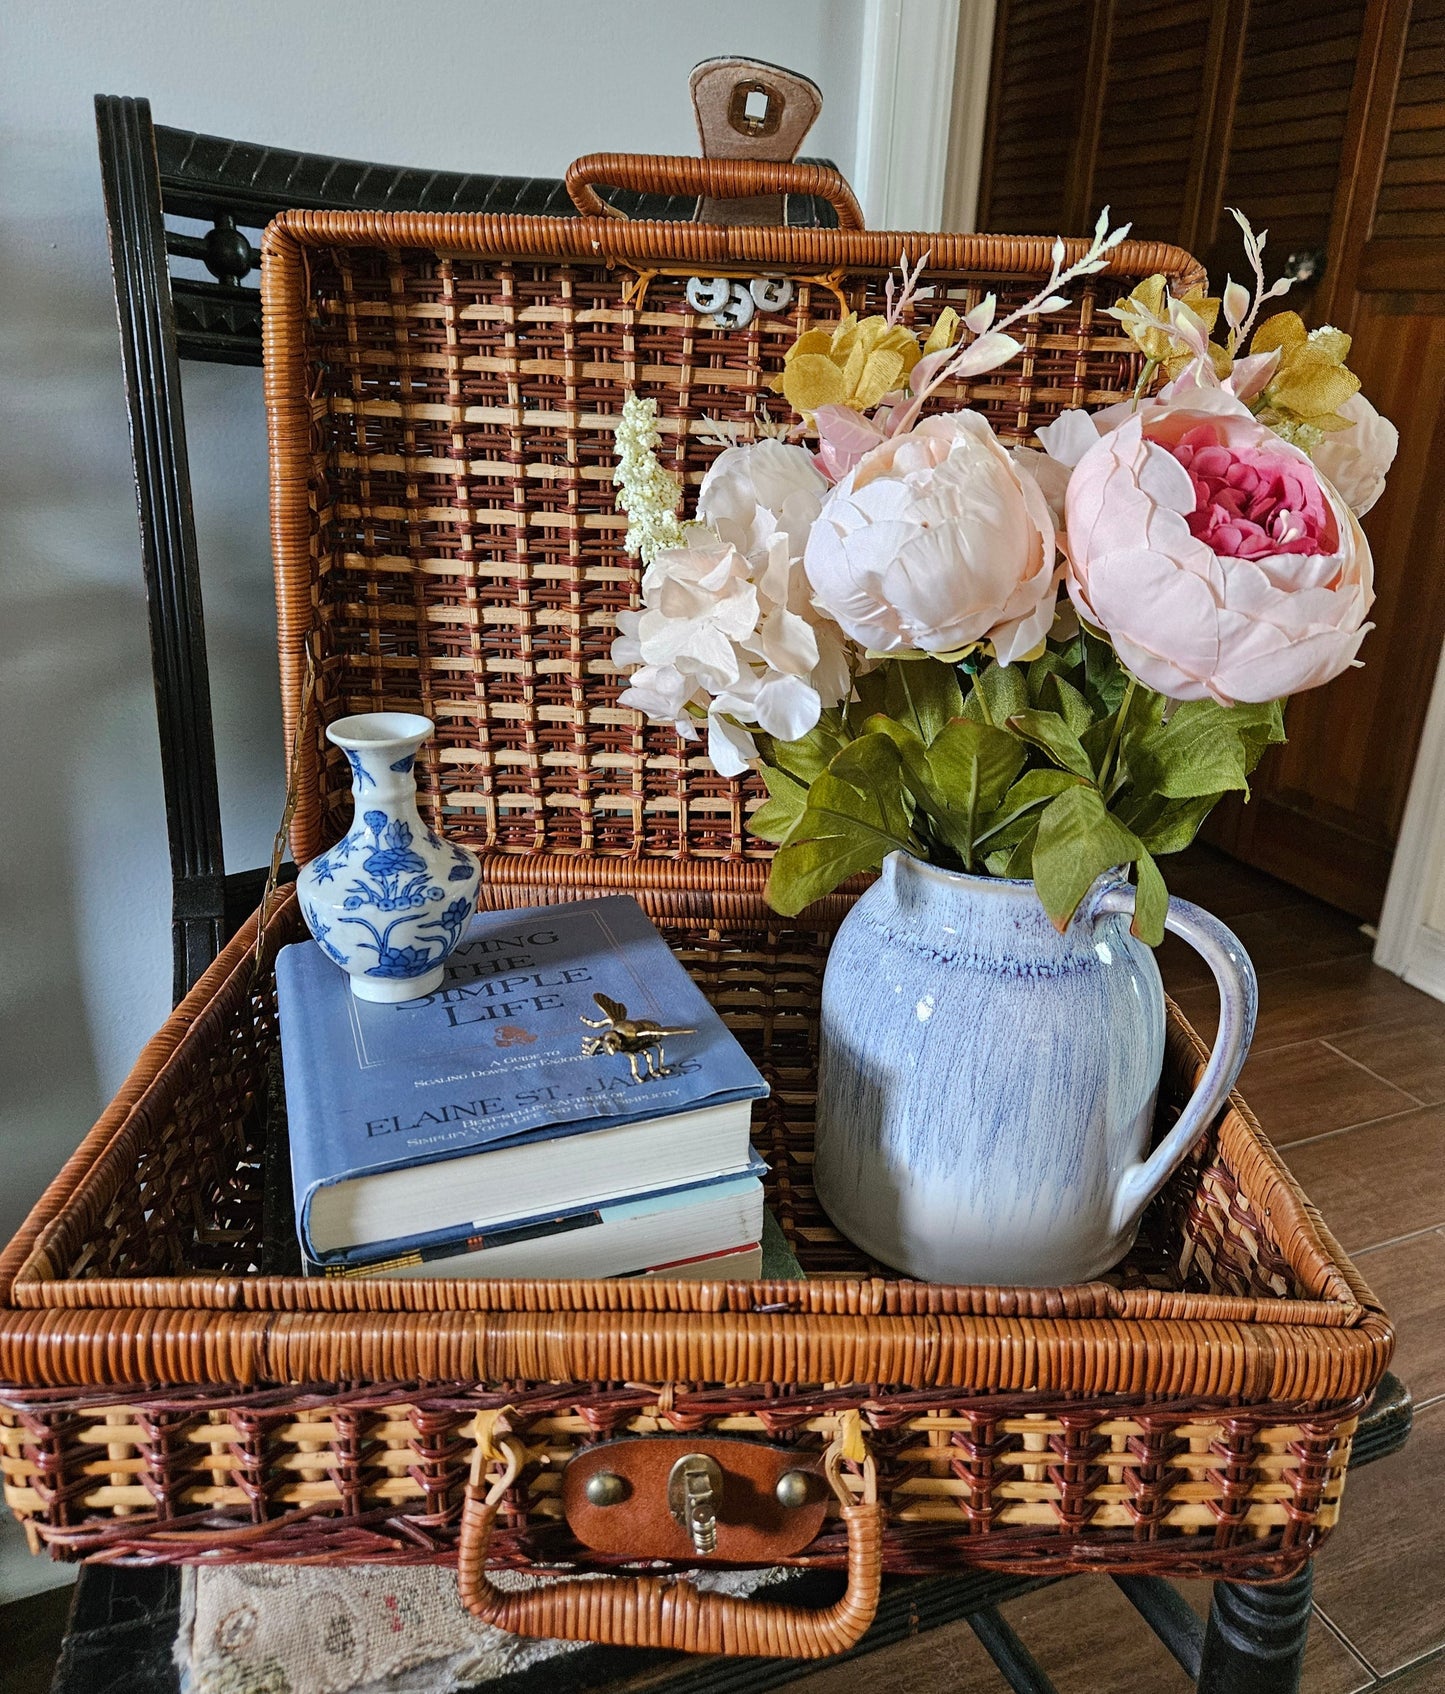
{"x": 935, "y": 540}
{"x": 1356, "y": 459}
{"x": 1214, "y": 556}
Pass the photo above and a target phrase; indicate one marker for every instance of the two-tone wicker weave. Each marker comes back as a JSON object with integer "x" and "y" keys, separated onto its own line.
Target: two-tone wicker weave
{"x": 441, "y": 392}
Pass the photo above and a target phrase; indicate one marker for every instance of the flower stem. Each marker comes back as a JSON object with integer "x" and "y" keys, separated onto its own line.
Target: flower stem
{"x": 1146, "y": 376}
{"x": 975, "y": 680}
{"x": 1117, "y": 734}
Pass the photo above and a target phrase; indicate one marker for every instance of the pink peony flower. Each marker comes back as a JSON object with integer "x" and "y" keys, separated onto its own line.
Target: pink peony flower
{"x": 1251, "y": 502}
{"x": 1214, "y": 555}
{"x": 935, "y": 540}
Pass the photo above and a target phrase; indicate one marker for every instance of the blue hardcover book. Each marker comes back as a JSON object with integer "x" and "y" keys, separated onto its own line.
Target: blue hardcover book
{"x": 489, "y": 1100}
{"x": 624, "y": 1237}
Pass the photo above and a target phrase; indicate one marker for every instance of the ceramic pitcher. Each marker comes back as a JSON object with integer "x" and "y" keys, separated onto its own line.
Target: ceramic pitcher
{"x": 987, "y": 1085}
{"x": 392, "y": 899}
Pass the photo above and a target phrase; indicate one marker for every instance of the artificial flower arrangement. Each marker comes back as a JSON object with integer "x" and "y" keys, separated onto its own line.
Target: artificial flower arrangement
{"x": 1031, "y": 662}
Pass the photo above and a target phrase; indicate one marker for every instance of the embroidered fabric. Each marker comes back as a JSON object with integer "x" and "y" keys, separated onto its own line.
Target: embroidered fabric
{"x": 400, "y": 1629}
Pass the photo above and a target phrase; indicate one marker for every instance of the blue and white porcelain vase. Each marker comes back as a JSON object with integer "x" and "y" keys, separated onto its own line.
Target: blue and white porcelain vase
{"x": 391, "y": 900}
{"x": 987, "y": 1085}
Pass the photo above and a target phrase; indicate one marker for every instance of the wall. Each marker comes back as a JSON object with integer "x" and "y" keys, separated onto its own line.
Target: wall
{"x": 488, "y": 85}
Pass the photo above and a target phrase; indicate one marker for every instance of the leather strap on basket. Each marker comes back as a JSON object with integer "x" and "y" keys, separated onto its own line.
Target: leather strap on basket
{"x": 641, "y": 1611}
{"x": 712, "y": 179}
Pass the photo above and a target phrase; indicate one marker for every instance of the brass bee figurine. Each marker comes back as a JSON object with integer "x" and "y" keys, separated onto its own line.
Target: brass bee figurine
{"x": 636, "y": 1037}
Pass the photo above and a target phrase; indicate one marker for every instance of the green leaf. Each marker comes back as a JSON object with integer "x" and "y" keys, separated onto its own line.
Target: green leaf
{"x": 1079, "y": 839}
{"x": 965, "y": 773}
{"x": 913, "y": 759}
{"x": 998, "y": 692}
{"x": 810, "y": 755}
{"x": 856, "y": 815}
{"x": 963, "y": 747}
{"x": 911, "y": 752}
{"x": 1020, "y": 863}
{"x": 1168, "y": 826}
{"x": 1259, "y": 727}
{"x": 1047, "y": 730}
{"x": 1072, "y": 654}
{"x": 868, "y": 694}
{"x": 787, "y": 798}
{"x": 1151, "y": 902}
{"x": 1199, "y": 751}
{"x": 1060, "y": 695}
{"x": 957, "y": 779}
{"x": 1049, "y": 663}
{"x": 922, "y": 695}
{"x": 1033, "y": 789}
{"x": 1138, "y": 717}
{"x": 1105, "y": 679}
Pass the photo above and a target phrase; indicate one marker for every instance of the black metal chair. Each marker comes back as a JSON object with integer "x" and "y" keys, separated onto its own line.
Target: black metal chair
{"x": 236, "y": 187}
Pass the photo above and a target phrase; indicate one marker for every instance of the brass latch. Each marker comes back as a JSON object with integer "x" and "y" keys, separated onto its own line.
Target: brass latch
{"x": 694, "y": 1487}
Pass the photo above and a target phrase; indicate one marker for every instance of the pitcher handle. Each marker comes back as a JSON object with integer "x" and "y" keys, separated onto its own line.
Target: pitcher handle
{"x": 1222, "y": 950}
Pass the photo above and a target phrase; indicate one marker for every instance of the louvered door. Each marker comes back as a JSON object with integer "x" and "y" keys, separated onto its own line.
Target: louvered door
{"x": 1287, "y": 129}
{"x": 1170, "y": 111}
{"x": 1036, "y": 106}
{"x": 1325, "y": 121}
{"x": 1326, "y": 812}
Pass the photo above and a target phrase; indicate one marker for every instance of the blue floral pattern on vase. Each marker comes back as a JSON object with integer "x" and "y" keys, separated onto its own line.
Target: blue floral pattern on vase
{"x": 392, "y": 899}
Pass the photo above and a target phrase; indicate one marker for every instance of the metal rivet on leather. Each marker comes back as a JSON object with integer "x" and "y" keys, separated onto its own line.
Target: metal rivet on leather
{"x": 606, "y": 1489}
{"x": 794, "y": 1488}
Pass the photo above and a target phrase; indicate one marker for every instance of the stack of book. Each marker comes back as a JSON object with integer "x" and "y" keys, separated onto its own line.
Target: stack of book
{"x": 567, "y": 1104}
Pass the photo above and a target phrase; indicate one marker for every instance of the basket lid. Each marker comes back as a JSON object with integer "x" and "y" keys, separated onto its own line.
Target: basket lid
{"x": 441, "y": 394}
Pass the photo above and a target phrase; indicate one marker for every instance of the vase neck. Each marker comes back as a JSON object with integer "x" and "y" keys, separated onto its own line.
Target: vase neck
{"x": 982, "y": 918}
{"x": 383, "y": 776}
{"x": 381, "y": 748}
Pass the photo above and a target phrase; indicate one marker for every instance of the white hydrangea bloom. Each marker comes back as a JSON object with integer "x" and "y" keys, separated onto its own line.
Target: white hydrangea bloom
{"x": 728, "y": 622}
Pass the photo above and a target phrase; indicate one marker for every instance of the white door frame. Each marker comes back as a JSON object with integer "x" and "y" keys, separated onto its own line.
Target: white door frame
{"x": 905, "y": 107}
{"x": 1409, "y": 944}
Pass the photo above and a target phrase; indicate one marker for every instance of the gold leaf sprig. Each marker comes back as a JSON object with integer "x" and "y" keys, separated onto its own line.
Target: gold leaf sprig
{"x": 1296, "y": 380}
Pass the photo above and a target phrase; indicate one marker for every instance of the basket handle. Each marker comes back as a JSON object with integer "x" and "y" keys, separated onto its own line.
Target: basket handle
{"x": 712, "y": 179}
{"x": 1223, "y": 951}
{"x": 644, "y": 1611}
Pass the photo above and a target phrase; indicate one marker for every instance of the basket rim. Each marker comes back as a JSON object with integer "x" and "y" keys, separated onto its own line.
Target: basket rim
{"x": 61, "y": 1331}
{"x": 588, "y": 240}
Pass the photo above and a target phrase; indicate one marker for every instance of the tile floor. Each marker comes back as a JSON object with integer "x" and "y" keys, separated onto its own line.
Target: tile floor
{"x": 1348, "y": 1076}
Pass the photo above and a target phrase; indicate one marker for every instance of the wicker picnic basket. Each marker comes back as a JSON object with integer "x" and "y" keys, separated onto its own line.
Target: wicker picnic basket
{"x": 441, "y": 391}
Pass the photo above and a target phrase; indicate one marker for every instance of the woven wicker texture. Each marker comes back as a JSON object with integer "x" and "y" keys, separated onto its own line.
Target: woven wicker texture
{"x": 441, "y": 394}
{"x": 448, "y": 539}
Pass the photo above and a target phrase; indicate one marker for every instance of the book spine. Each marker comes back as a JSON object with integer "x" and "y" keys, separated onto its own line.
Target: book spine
{"x": 298, "y": 1038}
